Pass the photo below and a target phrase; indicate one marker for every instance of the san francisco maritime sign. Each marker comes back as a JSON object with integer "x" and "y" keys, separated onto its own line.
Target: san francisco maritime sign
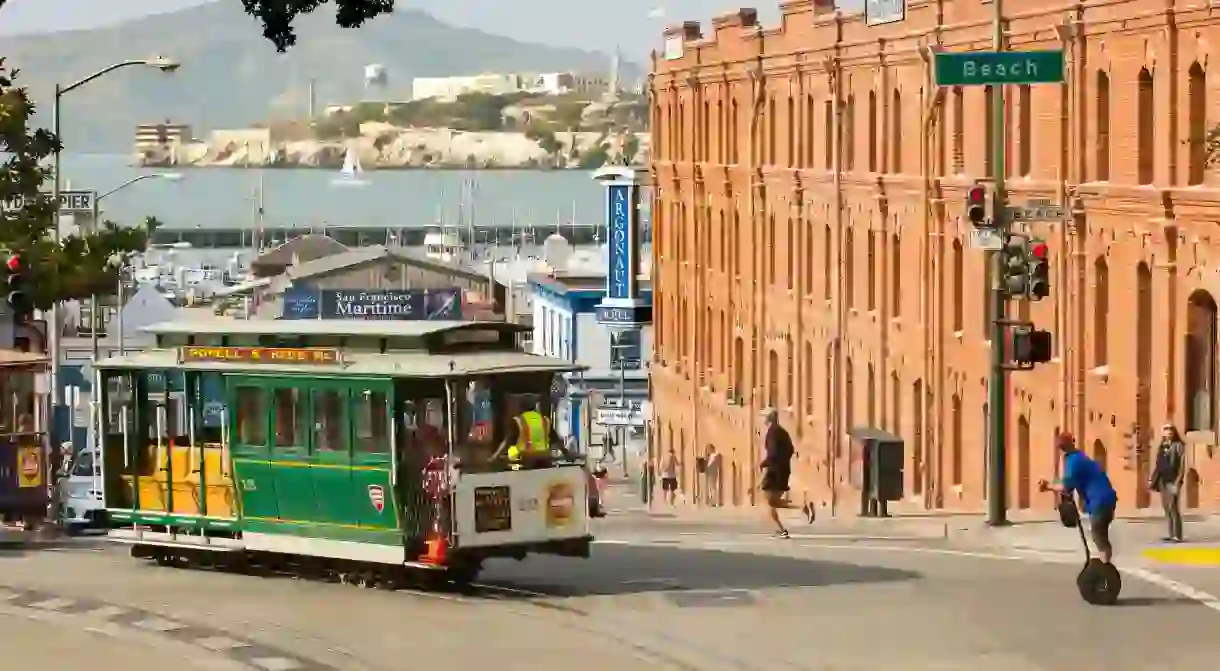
{"x": 265, "y": 355}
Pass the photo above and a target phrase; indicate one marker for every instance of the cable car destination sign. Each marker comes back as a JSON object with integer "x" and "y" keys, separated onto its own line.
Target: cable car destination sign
{"x": 261, "y": 355}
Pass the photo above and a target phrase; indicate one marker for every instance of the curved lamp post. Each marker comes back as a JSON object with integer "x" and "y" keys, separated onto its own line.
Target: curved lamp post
{"x": 58, "y": 410}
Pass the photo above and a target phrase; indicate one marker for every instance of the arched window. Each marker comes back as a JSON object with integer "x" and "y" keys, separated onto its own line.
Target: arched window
{"x": 1100, "y": 455}
{"x": 896, "y": 132}
{"x": 828, "y": 265}
{"x": 849, "y": 269}
{"x": 1023, "y": 463}
{"x": 956, "y": 458}
{"x": 1101, "y": 128}
{"x": 872, "y": 131}
{"x": 1101, "y": 312}
{"x": 849, "y": 399}
{"x": 808, "y": 381}
{"x": 1196, "y": 112}
{"x": 870, "y": 393}
{"x": 1200, "y": 360}
{"x": 896, "y": 275}
{"x": 773, "y": 398}
{"x": 739, "y": 368}
{"x": 1146, "y": 129}
{"x": 958, "y": 280}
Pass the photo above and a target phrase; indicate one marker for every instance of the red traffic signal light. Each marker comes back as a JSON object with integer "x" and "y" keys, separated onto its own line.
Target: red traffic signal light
{"x": 1040, "y": 251}
{"x": 13, "y": 264}
{"x": 976, "y": 205}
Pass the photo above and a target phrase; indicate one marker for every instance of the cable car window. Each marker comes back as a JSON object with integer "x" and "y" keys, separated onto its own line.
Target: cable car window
{"x": 289, "y": 418}
{"x": 328, "y": 420}
{"x": 251, "y": 416}
{"x": 17, "y": 402}
{"x": 475, "y": 413}
{"x": 118, "y": 396}
{"x": 372, "y": 427}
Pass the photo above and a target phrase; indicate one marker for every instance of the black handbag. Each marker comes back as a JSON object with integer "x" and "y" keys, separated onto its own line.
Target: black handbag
{"x": 1069, "y": 514}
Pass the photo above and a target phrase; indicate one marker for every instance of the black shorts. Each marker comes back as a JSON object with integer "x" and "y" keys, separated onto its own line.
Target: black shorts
{"x": 669, "y": 484}
{"x": 1099, "y": 528}
{"x": 775, "y": 482}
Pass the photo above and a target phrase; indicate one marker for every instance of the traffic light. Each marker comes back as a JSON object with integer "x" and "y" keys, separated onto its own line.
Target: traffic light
{"x": 1039, "y": 270}
{"x": 1031, "y": 346}
{"x": 17, "y": 295}
{"x": 977, "y": 197}
{"x": 1016, "y": 266}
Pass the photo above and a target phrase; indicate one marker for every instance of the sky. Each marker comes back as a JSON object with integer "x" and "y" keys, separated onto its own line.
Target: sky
{"x": 635, "y": 25}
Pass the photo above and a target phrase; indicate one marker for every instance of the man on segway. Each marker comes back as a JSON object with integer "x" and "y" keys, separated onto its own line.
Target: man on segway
{"x": 1086, "y": 477}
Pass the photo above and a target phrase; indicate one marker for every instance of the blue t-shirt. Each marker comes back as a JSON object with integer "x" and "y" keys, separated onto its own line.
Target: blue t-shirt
{"x": 1085, "y": 476}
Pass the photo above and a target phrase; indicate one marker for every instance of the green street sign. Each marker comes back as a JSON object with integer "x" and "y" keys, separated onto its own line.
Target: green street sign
{"x": 982, "y": 68}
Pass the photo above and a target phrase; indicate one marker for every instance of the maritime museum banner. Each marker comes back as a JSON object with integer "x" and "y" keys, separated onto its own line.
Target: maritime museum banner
{"x": 405, "y": 304}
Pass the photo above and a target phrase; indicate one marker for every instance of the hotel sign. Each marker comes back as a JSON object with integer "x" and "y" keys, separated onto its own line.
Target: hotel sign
{"x": 282, "y": 356}
{"x": 878, "y": 12}
{"x": 621, "y": 256}
{"x": 622, "y": 306}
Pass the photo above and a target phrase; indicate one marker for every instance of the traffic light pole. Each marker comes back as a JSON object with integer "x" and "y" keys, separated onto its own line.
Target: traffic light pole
{"x": 997, "y": 494}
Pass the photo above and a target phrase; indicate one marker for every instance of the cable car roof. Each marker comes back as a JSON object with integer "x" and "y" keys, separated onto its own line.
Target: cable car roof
{"x": 416, "y": 364}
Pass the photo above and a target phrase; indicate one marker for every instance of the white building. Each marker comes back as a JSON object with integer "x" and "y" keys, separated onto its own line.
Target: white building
{"x": 544, "y": 83}
{"x": 565, "y": 326}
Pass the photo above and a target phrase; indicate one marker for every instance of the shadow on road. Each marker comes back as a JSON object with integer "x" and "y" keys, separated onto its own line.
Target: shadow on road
{"x": 1156, "y": 601}
{"x": 19, "y": 547}
{"x": 622, "y": 569}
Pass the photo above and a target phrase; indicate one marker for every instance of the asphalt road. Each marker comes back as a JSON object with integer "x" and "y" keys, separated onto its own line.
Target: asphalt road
{"x": 649, "y": 598}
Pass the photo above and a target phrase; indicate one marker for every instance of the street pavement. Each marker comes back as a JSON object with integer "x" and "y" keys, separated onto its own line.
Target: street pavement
{"x": 655, "y": 595}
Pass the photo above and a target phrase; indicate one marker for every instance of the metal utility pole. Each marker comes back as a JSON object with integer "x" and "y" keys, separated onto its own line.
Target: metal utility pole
{"x": 997, "y": 491}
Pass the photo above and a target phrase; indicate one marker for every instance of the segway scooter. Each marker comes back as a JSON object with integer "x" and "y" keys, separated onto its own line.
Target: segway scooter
{"x": 1099, "y": 583}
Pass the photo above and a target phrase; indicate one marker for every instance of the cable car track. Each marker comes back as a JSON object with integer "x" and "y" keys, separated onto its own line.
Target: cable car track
{"x": 655, "y": 647}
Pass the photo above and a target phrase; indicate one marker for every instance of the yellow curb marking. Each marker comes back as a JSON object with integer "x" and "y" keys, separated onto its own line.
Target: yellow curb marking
{"x": 1190, "y": 556}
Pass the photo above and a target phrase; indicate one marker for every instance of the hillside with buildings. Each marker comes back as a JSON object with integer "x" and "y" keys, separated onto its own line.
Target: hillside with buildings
{"x": 231, "y": 77}
{"x": 487, "y": 121}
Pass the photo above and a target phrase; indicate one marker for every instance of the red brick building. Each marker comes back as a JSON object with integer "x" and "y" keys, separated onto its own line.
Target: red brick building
{"x": 810, "y": 252}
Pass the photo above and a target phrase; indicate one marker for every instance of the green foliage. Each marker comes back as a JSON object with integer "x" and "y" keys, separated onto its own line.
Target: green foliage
{"x": 1211, "y": 146}
{"x": 277, "y": 16}
{"x": 545, "y": 137}
{"x": 630, "y": 148}
{"x": 595, "y": 157}
{"x": 77, "y": 265}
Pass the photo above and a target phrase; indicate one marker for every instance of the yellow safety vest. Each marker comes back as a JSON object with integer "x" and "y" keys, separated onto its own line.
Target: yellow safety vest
{"x": 533, "y": 436}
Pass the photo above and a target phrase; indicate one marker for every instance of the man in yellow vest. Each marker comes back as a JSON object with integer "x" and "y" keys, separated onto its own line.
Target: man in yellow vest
{"x": 530, "y": 439}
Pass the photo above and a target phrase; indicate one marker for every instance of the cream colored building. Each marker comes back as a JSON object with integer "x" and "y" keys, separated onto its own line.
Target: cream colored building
{"x": 552, "y": 83}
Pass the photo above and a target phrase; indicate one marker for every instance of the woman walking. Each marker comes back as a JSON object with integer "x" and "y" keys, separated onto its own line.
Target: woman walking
{"x": 1167, "y": 478}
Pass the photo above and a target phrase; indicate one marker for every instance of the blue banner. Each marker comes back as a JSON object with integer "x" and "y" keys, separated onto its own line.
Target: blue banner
{"x": 301, "y": 304}
{"x": 620, "y": 277}
{"x": 389, "y": 304}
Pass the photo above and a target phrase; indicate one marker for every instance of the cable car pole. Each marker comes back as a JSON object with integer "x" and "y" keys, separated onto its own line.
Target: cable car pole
{"x": 997, "y": 491}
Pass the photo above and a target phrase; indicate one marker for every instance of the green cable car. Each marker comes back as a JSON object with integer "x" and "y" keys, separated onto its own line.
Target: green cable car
{"x": 357, "y": 449}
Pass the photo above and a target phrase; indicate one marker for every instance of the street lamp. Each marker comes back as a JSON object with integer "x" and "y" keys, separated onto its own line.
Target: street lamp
{"x": 93, "y": 307}
{"x": 167, "y": 176}
{"x": 58, "y": 410}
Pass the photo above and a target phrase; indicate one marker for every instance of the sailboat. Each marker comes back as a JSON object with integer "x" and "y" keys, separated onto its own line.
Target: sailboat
{"x": 351, "y": 174}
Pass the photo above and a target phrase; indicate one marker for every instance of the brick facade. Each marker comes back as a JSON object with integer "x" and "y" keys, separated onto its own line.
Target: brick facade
{"x": 803, "y": 260}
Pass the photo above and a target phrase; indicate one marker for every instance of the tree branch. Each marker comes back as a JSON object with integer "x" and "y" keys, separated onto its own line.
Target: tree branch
{"x": 277, "y": 16}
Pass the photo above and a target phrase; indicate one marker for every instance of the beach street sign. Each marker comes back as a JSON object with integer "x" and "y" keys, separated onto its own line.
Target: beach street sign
{"x": 70, "y": 202}
{"x": 983, "y": 68}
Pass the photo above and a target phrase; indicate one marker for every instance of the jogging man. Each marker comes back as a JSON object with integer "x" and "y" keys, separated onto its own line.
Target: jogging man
{"x": 777, "y": 468}
{"x": 1084, "y": 476}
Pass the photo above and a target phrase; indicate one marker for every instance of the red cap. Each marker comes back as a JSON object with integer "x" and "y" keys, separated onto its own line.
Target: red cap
{"x": 1065, "y": 439}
